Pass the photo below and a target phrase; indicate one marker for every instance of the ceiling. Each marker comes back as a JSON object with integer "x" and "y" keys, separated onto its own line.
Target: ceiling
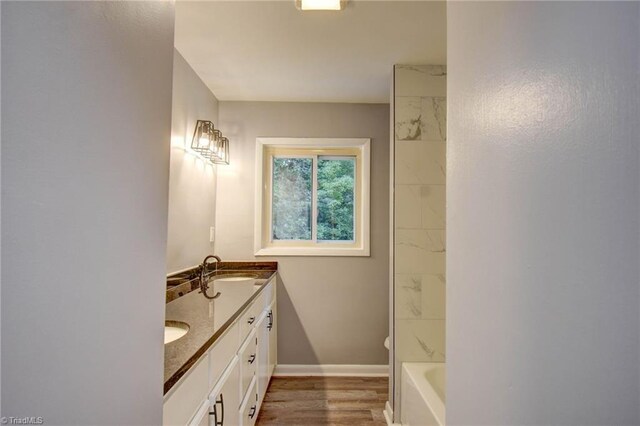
{"x": 270, "y": 51}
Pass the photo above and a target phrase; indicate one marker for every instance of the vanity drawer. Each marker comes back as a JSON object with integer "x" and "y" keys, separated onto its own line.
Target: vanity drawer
{"x": 249, "y": 407}
{"x": 248, "y": 320}
{"x": 269, "y": 293}
{"x": 248, "y": 361}
{"x": 222, "y": 354}
{"x": 264, "y": 299}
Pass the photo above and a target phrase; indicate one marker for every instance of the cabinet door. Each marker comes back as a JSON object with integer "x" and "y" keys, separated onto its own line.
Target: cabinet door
{"x": 225, "y": 398}
{"x": 187, "y": 397}
{"x": 202, "y": 416}
{"x": 262, "y": 372}
{"x": 273, "y": 341}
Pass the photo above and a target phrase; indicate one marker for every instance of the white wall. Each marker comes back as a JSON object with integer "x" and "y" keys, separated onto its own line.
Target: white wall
{"x": 543, "y": 213}
{"x": 332, "y": 310}
{"x": 86, "y": 114}
{"x": 192, "y": 183}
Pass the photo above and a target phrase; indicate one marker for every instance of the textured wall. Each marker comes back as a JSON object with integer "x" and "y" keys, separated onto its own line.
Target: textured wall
{"x": 86, "y": 116}
{"x": 543, "y": 213}
{"x": 332, "y": 310}
{"x": 419, "y": 216}
{"x": 192, "y": 182}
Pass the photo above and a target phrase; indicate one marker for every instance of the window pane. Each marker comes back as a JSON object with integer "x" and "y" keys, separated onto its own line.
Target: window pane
{"x": 292, "y": 188}
{"x": 336, "y": 189}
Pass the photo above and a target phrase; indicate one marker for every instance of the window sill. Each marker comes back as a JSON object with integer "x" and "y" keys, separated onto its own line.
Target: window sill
{"x": 313, "y": 251}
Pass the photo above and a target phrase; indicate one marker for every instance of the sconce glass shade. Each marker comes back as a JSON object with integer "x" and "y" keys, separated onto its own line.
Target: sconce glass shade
{"x": 203, "y": 137}
{"x": 212, "y": 152}
{"x": 222, "y": 156}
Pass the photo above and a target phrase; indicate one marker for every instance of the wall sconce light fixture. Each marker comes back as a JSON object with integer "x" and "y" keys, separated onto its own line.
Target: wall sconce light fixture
{"x": 209, "y": 142}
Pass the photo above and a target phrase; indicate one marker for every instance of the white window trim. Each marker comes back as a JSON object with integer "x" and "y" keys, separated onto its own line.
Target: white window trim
{"x": 321, "y": 249}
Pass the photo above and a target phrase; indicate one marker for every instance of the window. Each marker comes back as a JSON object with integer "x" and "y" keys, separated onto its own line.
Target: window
{"x": 312, "y": 197}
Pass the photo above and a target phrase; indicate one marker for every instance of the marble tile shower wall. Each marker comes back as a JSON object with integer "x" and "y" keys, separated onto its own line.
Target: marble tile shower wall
{"x": 420, "y": 161}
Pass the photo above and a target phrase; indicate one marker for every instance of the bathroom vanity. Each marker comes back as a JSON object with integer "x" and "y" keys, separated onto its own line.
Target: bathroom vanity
{"x": 218, "y": 372}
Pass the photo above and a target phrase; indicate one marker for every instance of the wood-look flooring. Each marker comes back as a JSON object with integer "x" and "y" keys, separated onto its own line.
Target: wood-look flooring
{"x": 324, "y": 401}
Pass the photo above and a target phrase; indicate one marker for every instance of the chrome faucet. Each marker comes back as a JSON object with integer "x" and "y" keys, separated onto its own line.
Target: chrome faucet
{"x": 204, "y": 285}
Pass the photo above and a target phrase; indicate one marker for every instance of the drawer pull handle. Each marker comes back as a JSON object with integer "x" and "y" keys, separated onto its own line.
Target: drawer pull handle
{"x": 252, "y": 358}
{"x": 215, "y": 412}
{"x": 251, "y": 320}
{"x": 270, "y": 325}
{"x": 252, "y": 412}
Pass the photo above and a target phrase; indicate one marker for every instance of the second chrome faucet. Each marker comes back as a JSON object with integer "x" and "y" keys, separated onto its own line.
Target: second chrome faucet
{"x": 204, "y": 284}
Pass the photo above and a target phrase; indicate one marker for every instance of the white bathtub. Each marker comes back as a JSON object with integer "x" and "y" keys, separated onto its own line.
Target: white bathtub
{"x": 422, "y": 394}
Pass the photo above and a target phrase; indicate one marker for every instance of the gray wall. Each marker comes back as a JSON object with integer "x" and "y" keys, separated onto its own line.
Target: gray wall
{"x": 543, "y": 213}
{"x": 86, "y": 114}
{"x": 192, "y": 182}
{"x": 332, "y": 310}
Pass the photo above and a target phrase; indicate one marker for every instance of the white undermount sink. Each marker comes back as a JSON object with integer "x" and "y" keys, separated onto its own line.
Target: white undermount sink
{"x": 233, "y": 284}
{"x": 173, "y": 330}
{"x": 232, "y": 279}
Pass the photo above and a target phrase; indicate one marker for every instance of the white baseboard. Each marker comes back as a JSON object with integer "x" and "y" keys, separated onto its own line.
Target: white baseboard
{"x": 335, "y": 370}
{"x": 388, "y": 415}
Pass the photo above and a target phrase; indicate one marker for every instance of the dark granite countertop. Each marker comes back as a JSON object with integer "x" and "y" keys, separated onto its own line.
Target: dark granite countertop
{"x": 208, "y": 319}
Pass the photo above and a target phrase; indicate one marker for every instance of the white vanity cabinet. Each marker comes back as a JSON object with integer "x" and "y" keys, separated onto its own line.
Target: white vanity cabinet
{"x": 259, "y": 345}
{"x": 227, "y": 385}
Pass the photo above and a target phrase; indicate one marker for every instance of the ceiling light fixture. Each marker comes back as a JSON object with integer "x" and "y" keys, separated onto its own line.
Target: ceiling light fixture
{"x": 321, "y": 4}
